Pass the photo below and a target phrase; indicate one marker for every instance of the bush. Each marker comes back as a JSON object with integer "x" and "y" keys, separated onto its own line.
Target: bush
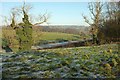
{"x": 5, "y": 42}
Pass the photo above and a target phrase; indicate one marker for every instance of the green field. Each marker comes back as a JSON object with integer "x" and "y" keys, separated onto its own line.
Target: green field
{"x": 43, "y": 35}
{"x": 55, "y": 36}
{"x": 38, "y": 37}
{"x": 82, "y": 62}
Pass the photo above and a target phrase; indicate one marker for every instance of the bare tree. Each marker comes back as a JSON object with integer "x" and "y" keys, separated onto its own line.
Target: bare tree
{"x": 112, "y": 11}
{"x": 95, "y": 9}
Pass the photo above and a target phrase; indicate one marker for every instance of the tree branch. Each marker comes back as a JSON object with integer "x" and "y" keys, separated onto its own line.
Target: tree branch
{"x": 86, "y": 20}
{"x": 43, "y": 18}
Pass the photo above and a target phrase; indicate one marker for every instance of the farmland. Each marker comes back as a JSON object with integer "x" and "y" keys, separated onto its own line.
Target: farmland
{"x": 43, "y": 35}
{"x": 55, "y": 36}
{"x": 82, "y": 62}
{"x": 39, "y": 37}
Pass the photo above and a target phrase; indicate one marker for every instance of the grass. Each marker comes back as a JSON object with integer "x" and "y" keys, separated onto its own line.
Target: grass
{"x": 41, "y": 36}
{"x": 55, "y": 36}
{"x": 38, "y": 37}
{"x": 82, "y": 62}
{"x": 85, "y": 49}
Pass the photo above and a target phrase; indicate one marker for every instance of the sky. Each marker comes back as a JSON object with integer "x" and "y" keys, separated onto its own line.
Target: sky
{"x": 61, "y": 13}
{"x": 58, "y": 0}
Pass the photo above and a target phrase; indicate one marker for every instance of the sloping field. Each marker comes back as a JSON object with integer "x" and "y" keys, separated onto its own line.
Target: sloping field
{"x": 55, "y": 35}
{"x": 86, "y": 62}
{"x": 42, "y": 35}
{"x": 38, "y": 37}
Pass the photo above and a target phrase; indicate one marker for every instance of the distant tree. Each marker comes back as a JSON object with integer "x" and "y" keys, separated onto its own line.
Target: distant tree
{"x": 70, "y": 30}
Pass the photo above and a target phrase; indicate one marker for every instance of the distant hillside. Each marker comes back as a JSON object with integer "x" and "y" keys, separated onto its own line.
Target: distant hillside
{"x": 73, "y": 29}
{"x": 64, "y": 26}
{"x": 70, "y": 29}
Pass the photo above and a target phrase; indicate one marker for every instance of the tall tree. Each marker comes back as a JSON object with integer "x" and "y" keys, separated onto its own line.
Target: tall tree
{"x": 95, "y": 9}
{"x": 111, "y": 25}
{"x": 24, "y": 29}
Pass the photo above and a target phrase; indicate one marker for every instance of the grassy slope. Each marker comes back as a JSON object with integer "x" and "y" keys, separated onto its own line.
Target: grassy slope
{"x": 85, "y": 49}
{"x": 38, "y": 37}
{"x": 101, "y": 61}
{"x": 43, "y": 35}
{"x": 55, "y": 35}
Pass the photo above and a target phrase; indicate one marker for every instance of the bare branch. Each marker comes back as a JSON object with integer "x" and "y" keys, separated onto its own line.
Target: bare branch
{"x": 86, "y": 20}
{"x": 91, "y": 8}
{"x": 5, "y": 19}
{"x": 26, "y": 7}
{"x": 43, "y": 18}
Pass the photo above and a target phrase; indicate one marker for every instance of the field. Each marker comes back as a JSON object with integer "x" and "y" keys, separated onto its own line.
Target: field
{"x": 46, "y": 37}
{"x": 42, "y": 35}
{"x": 82, "y": 62}
{"x": 38, "y": 37}
{"x": 55, "y": 36}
